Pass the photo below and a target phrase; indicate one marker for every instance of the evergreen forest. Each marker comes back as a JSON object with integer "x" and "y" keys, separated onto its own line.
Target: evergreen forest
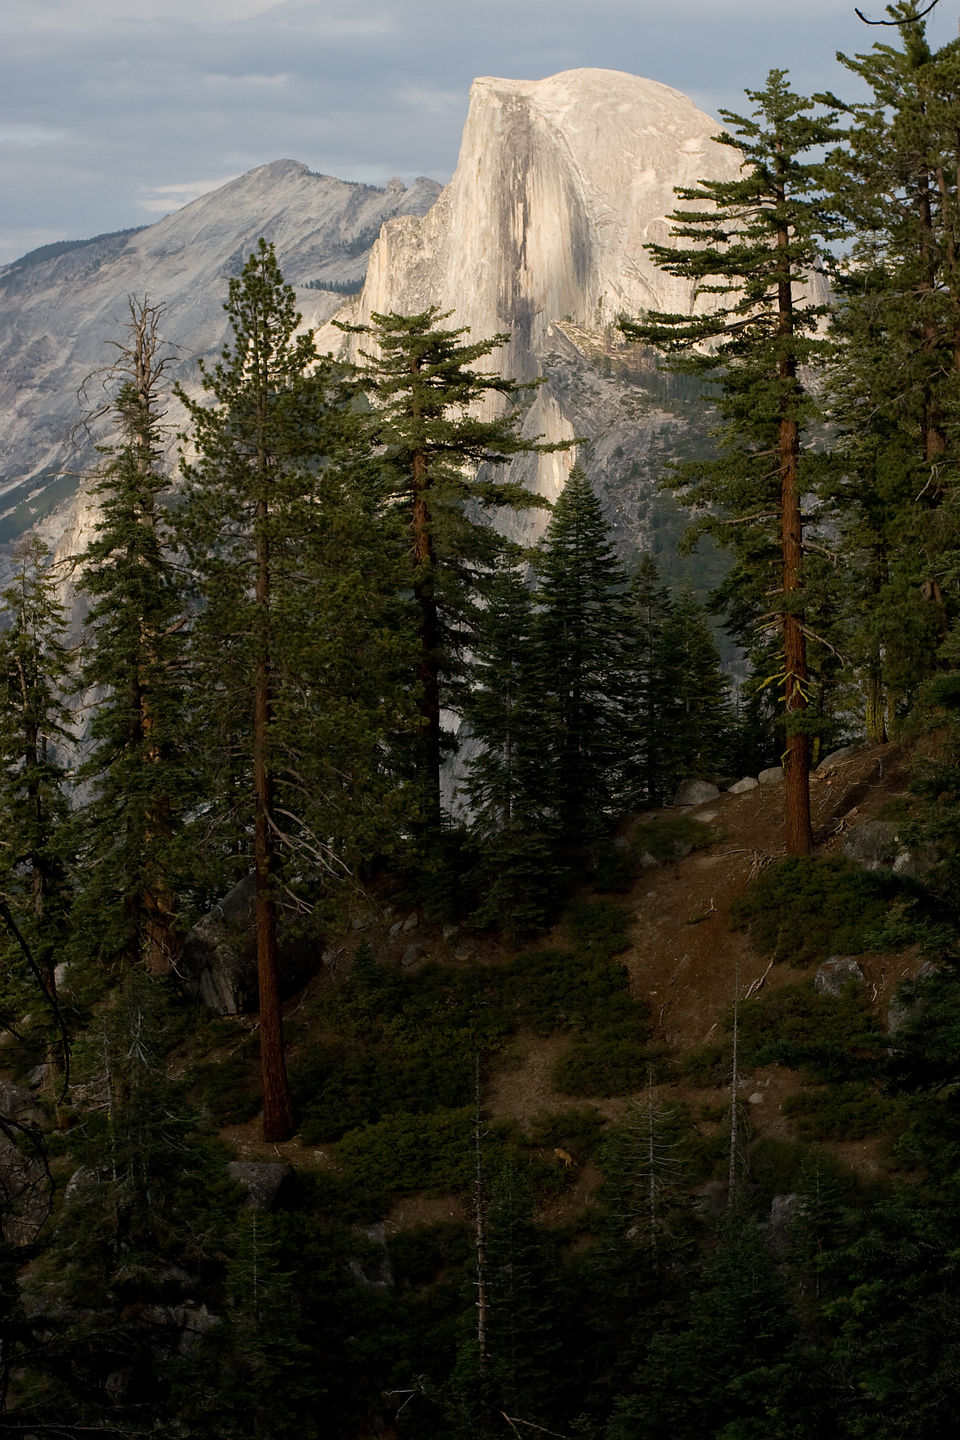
{"x": 418, "y": 1020}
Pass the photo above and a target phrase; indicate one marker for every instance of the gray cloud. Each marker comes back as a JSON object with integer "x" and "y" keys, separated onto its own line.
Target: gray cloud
{"x": 110, "y": 113}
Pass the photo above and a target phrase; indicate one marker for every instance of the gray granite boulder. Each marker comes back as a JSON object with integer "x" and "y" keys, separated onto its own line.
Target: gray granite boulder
{"x": 695, "y": 792}
{"x": 262, "y": 1180}
{"x": 771, "y": 776}
{"x": 742, "y": 786}
{"x": 219, "y": 961}
{"x": 836, "y": 973}
{"x": 873, "y": 844}
{"x": 834, "y": 758}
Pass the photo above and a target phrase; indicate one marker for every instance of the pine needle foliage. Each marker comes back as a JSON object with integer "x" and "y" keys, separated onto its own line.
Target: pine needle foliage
{"x": 756, "y": 243}
{"x": 443, "y": 455}
{"x": 132, "y": 661}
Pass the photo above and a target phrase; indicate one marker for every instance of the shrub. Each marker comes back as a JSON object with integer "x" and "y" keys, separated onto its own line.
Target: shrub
{"x": 830, "y": 1037}
{"x": 336, "y": 1091}
{"x": 599, "y": 928}
{"x": 850, "y": 1110}
{"x": 403, "y": 1153}
{"x": 229, "y": 1090}
{"x": 801, "y": 909}
{"x": 576, "y": 1129}
{"x": 612, "y": 1061}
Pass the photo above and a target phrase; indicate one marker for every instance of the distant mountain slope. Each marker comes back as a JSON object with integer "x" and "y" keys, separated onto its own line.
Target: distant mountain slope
{"x": 61, "y": 307}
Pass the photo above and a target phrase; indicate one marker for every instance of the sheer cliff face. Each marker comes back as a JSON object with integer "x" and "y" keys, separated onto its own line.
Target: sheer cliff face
{"x": 541, "y": 233}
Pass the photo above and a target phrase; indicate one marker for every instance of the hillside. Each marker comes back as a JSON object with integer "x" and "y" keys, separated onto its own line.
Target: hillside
{"x": 683, "y": 954}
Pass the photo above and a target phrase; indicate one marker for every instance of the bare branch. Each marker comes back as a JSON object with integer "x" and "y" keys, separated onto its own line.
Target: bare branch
{"x": 907, "y": 19}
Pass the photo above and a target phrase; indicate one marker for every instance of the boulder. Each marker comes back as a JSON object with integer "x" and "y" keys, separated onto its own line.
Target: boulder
{"x": 19, "y": 1104}
{"x": 772, "y": 776}
{"x": 219, "y": 961}
{"x": 695, "y": 792}
{"x": 262, "y": 1180}
{"x": 742, "y": 786}
{"x": 784, "y": 1213}
{"x": 873, "y": 844}
{"x": 412, "y": 954}
{"x": 917, "y": 863}
{"x": 834, "y": 758}
{"x": 836, "y": 973}
{"x": 218, "y": 964}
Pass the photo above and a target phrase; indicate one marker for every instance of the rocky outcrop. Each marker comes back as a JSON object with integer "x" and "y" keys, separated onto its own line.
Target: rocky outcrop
{"x": 878, "y": 845}
{"x": 835, "y": 974}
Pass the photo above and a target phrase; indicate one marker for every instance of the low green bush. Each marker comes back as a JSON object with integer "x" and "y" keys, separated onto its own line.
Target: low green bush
{"x": 576, "y": 1129}
{"x": 336, "y": 1090}
{"x": 849, "y": 1110}
{"x": 228, "y": 1090}
{"x": 599, "y": 928}
{"x": 613, "y": 1061}
{"x": 707, "y": 1065}
{"x": 802, "y": 909}
{"x": 403, "y": 1153}
{"x": 829, "y": 1037}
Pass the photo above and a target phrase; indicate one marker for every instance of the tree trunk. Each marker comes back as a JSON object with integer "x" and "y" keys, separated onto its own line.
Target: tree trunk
{"x": 799, "y": 832}
{"x": 427, "y": 669}
{"x": 157, "y": 899}
{"x": 277, "y": 1108}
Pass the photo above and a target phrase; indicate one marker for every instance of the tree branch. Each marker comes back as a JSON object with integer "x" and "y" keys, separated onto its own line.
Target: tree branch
{"x": 907, "y": 20}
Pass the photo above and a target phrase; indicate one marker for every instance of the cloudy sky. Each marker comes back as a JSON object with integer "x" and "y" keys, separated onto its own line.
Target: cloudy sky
{"x": 114, "y": 112}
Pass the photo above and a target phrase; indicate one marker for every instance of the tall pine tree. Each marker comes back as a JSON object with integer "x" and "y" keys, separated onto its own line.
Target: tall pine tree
{"x": 754, "y": 243}
{"x": 133, "y": 665}
{"x": 580, "y": 627}
{"x": 442, "y": 460}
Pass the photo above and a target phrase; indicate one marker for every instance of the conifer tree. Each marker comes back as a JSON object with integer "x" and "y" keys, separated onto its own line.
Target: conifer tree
{"x": 257, "y": 446}
{"x": 645, "y": 694}
{"x": 297, "y": 627}
{"x": 35, "y": 731}
{"x": 428, "y": 395}
{"x": 896, "y": 380}
{"x": 754, "y": 242}
{"x": 580, "y": 625}
{"x": 133, "y": 663}
{"x": 512, "y": 821}
{"x": 694, "y": 721}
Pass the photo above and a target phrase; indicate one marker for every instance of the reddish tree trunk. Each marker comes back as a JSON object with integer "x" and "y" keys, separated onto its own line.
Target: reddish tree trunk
{"x": 277, "y": 1107}
{"x": 799, "y": 832}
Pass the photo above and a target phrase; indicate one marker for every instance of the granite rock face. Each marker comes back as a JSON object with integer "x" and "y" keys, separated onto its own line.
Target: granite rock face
{"x": 60, "y": 313}
{"x": 540, "y": 234}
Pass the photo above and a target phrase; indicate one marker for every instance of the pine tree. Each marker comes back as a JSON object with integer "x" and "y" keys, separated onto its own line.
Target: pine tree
{"x": 256, "y": 446}
{"x": 754, "y": 242}
{"x": 428, "y": 396}
{"x": 580, "y": 625}
{"x": 35, "y": 734}
{"x": 512, "y": 822}
{"x": 694, "y": 720}
{"x": 645, "y": 687}
{"x": 896, "y": 381}
{"x": 296, "y": 629}
{"x": 133, "y": 664}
